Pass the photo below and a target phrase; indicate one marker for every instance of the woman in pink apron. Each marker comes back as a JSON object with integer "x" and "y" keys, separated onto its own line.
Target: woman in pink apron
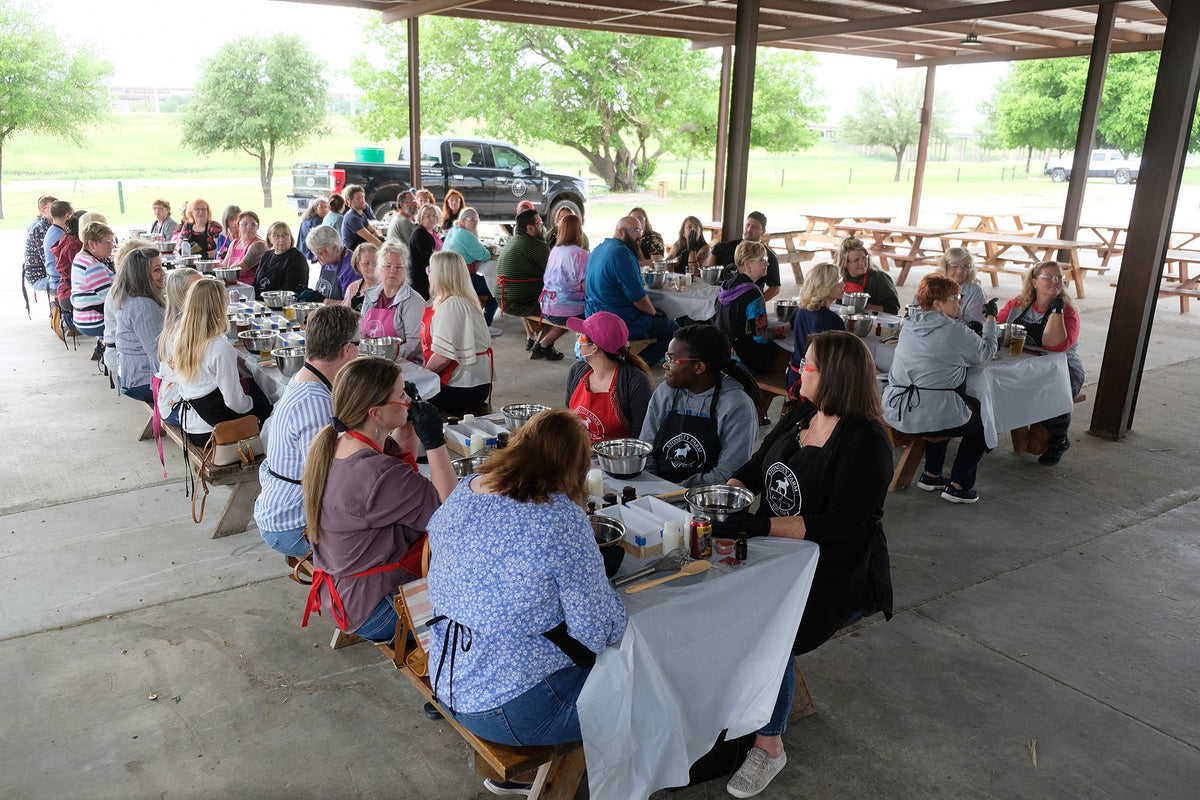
{"x": 391, "y": 307}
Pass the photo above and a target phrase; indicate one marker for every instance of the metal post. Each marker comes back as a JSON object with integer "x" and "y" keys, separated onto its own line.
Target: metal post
{"x": 745, "y": 37}
{"x": 1154, "y": 200}
{"x": 414, "y": 100}
{"x": 1085, "y": 140}
{"x": 914, "y": 208}
{"x": 722, "y": 133}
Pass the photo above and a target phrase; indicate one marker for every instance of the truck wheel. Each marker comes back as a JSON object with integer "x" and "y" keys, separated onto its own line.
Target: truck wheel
{"x": 559, "y": 204}
{"x": 1122, "y": 177}
{"x": 384, "y": 209}
{"x": 1058, "y": 175}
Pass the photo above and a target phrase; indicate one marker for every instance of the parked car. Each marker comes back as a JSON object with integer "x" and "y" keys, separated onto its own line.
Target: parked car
{"x": 1104, "y": 164}
{"x": 492, "y": 176}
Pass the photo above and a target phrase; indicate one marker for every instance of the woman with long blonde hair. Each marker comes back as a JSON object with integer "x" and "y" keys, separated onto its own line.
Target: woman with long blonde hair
{"x": 822, "y": 287}
{"x": 179, "y": 280}
{"x": 457, "y": 344}
{"x": 207, "y": 366}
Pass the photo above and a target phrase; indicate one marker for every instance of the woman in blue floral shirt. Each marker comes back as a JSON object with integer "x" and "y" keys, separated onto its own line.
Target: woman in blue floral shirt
{"x": 514, "y": 557}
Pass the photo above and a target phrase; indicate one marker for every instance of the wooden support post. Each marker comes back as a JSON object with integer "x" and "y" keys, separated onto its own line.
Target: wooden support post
{"x": 746, "y": 38}
{"x": 722, "y": 134}
{"x": 914, "y": 208}
{"x": 239, "y": 510}
{"x": 414, "y": 100}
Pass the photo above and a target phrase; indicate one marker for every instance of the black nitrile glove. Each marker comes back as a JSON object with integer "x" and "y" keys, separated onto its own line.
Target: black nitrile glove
{"x": 1056, "y": 305}
{"x": 427, "y": 423}
{"x": 991, "y": 308}
{"x": 692, "y": 238}
{"x": 742, "y": 523}
{"x": 410, "y": 389}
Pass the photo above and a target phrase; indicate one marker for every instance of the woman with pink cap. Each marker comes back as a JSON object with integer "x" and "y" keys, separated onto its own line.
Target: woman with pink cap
{"x": 608, "y": 386}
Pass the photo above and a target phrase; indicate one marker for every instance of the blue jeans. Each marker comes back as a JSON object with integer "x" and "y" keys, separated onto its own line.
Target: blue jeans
{"x": 481, "y": 288}
{"x": 661, "y": 330}
{"x": 173, "y": 417}
{"x": 290, "y": 543}
{"x": 783, "y": 704}
{"x": 143, "y": 392}
{"x": 381, "y": 625}
{"x": 543, "y": 715}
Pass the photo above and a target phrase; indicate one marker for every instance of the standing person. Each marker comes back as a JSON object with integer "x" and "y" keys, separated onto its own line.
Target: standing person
{"x": 463, "y": 239}
{"x": 650, "y": 246}
{"x": 690, "y": 249}
{"x": 614, "y": 283}
{"x": 823, "y": 474}
{"x": 199, "y": 229}
{"x": 91, "y": 279}
{"x": 608, "y": 387}
{"x": 552, "y": 234}
{"x": 860, "y": 275}
{"x": 423, "y": 243}
{"x": 926, "y": 391}
{"x": 741, "y": 312}
{"x": 283, "y": 267}
{"x": 337, "y": 205}
{"x": 164, "y": 224}
{"x": 60, "y": 212}
{"x": 459, "y": 344}
{"x": 33, "y": 269}
{"x": 520, "y": 269}
{"x": 229, "y": 230}
{"x": 330, "y": 343}
{"x": 822, "y": 288}
{"x": 1051, "y": 321}
{"x": 722, "y": 253}
{"x": 166, "y": 392}
{"x": 958, "y": 264}
{"x": 703, "y": 417}
{"x": 137, "y": 298}
{"x": 564, "y": 295}
{"x": 311, "y": 219}
{"x": 452, "y": 206}
{"x": 405, "y": 218}
{"x": 365, "y": 504}
{"x": 365, "y": 262}
{"x": 336, "y": 270}
{"x": 392, "y": 307}
{"x": 356, "y": 224}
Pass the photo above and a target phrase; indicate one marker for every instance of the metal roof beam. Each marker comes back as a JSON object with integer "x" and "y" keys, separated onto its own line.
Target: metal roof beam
{"x": 420, "y": 8}
{"x": 1038, "y": 52}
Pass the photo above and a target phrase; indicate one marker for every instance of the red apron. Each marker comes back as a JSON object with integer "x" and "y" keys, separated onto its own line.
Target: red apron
{"x": 598, "y": 410}
{"x": 427, "y": 334}
{"x": 381, "y": 321}
{"x": 849, "y": 286}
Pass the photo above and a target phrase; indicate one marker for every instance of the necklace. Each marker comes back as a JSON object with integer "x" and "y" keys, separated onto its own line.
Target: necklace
{"x": 817, "y": 432}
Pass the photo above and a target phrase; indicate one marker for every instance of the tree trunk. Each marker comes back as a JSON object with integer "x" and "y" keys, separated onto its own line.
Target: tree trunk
{"x": 1028, "y": 158}
{"x": 618, "y": 171}
{"x": 899, "y": 151}
{"x": 266, "y": 166}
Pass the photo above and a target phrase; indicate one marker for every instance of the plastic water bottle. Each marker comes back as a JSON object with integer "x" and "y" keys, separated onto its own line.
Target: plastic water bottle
{"x": 185, "y": 248}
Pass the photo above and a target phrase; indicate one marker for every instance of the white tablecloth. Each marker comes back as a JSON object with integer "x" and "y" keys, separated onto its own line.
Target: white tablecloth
{"x": 268, "y": 377}
{"x": 695, "y": 301}
{"x": 694, "y": 660}
{"x": 1015, "y": 391}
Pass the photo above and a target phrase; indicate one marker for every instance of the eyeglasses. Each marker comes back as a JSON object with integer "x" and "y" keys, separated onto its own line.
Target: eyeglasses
{"x": 1051, "y": 278}
{"x": 637, "y": 231}
{"x": 805, "y": 366}
{"x": 671, "y": 360}
{"x": 583, "y": 339}
{"x": 393, "y": 267}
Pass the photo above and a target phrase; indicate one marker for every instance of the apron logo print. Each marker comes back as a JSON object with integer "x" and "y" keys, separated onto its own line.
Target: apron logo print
{"x": 685, "y": 452}
{"x": 783, "y": 490}
{"x": 518, "y": 188}
{"x": 373, "y": 328}
{"x": 594, "y": 426}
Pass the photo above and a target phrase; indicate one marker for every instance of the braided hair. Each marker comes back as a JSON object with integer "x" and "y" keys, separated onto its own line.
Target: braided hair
{"x": 709, "y": 344}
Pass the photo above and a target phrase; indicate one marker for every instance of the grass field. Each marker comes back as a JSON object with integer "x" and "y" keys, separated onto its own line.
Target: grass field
{"x": 143, "y": 152}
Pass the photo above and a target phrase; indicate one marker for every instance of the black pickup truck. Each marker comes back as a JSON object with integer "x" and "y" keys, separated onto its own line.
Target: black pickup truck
{"x": 492, "y": 176}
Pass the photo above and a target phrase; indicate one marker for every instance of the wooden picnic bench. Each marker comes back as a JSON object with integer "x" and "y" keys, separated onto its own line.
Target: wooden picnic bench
{"x": 900, "y": 245}
{"x": 541, "y": 323}
{"x": 987, "y": 222}
{"x": 243, "y": 478}
{"x": 1176, "y": 281}
{"x": 1110, "y": 237}
{"x": 1003, "y": 250}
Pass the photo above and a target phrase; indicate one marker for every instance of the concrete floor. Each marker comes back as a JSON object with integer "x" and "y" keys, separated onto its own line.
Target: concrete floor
{"x": 1057, "y": 616}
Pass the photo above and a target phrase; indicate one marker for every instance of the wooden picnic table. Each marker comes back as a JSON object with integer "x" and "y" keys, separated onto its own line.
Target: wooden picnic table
{"x": 997, "y": 255}
{"x": 1111, "y": 236}
{"x": 1182, "y": 285}
{"x": 903, "y": 245}
{"x": 987, "y": 222}
{"x": 823, "y": 227}
{"x": 791, "y": 252}
{"x": 1180, "y": 240}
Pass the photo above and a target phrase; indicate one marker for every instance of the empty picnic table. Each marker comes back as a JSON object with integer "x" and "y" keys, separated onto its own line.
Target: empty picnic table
{"x": 1110, "y": 236}
{"x": 791, "y": 253}
{"x": 1177, "y": 282}
{"x": 823, "y": 227}
{"x": 1037, "y": 250}
{"x": 903, "y": 245}
{"x": 987, "y": 222}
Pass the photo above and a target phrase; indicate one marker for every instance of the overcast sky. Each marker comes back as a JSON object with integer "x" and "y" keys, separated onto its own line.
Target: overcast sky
{"x": 161, "y": 42}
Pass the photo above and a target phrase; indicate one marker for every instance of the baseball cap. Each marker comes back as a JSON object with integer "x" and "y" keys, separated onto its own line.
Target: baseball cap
{"x": 605, "y": 329}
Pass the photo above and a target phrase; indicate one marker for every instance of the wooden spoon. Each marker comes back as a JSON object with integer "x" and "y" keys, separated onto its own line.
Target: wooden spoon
{"x": 690, "y": 568}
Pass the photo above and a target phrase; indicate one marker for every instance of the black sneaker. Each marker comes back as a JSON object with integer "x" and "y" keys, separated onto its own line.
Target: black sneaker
{"x": 1054, "y": 451}
{"x": 550, "y": 354}
{"x": 514, "y": 788}
{"x": 932, "y": 484}
{"x": 537, "y": 352}
{"x": 529, "y": 343}
{"x": 955, "y": 495}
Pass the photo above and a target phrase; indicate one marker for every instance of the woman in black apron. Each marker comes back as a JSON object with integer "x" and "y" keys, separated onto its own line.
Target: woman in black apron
{"x": 703, "y": 417}
{"x": 822, "y": 475}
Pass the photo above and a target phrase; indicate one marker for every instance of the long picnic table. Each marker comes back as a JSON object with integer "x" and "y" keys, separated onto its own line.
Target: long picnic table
{"x": 1177, "y": 282}
{"x": 987, "y": 222}
{"x": 902, "y": 245}
{"x": 997, "y": 255}
{"x": 1111, "y": 236}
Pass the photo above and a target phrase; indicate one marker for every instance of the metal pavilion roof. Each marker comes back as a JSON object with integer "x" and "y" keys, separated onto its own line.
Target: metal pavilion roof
{"x": 912, "y": 32}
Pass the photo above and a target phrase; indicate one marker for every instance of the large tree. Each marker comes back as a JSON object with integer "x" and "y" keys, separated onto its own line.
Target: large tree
{"x": 258, "y": 95}
{"x": 888, "y": 116}
{"x": 46, "y": 88}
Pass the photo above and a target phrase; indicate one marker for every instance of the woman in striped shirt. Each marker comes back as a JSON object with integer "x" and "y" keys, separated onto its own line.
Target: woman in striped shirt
{"x": 91, "y": 279}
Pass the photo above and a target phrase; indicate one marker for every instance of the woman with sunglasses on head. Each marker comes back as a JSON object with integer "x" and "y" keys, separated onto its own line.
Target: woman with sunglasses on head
{"x": 959, "y": 264}
{"x": 703, "y": 417}
{"x": 365, "y": 504}
{"x": 926, "y": 392}
{"x": 608, "y": 387}
{"x": 1051, "y": 322}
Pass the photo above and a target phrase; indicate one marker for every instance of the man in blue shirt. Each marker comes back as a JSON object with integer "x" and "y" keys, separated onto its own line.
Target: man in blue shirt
{"x": 614, "y": 283}
{"x": 356, "y": 227}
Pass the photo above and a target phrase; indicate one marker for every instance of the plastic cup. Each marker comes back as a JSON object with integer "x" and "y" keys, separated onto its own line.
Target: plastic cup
{"x": 1017, "y": 345}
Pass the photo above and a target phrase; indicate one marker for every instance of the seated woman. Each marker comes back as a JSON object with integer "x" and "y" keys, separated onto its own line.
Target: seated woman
{"x": 165, "y": 382}
{"x": 822, "y": 287}
{"x": 563, "y": 295}
{"x": 463, "y": 239}
{"x": 365, "y": 504}
{"x": 459, "y": 345}
{"x": 690, "y": 250}
{"x": 859, "y": 275}
{"x": 282, "y": 268}
{"x": 229, "y": 230}
{"x": 496, "y": 659}
{"x": 741, "y": 311}
{"x": 823, "y": 474}
{"x": 703, "y": 417}
{"x": 137, "y": 297}
{"x": 64, "y": 251}
{"x": 199, "y": 229}
{"x": 958, "y": 263}
{"x": 207, "y": 366}
{"x": 333, "y": 218}
{"x": 1051, "y": 322}
{"x": 452, "y": 206}
{"x": 925, "y": 392}
{"x": 392, "y": 308}
{"x": 650, "y": 246}
{"x": 364, "y": 261}
{"x": 552, "y": 234}
{"x": 608, "y": 387}
{"x": 312, "y": 217}
{"x": 164, "y": 224}
{"x": 422, "y": 244}
{"x": 91, "y": 279}
{"x": 240, "y": 251}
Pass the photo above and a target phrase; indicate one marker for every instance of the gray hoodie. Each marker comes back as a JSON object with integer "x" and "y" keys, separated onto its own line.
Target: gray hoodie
{"x": 931, "y": 361}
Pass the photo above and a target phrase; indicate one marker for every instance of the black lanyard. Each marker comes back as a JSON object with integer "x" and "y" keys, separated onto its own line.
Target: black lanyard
{"x": 308, "y": 366}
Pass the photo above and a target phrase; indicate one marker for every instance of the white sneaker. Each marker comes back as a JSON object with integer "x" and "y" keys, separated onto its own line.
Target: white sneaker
{"x": 494, "y": 331}
{"x": 756, "y": 773}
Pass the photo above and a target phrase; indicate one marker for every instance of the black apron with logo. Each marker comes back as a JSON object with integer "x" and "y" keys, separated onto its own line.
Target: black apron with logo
{"x": 1033, "y": 330}
{"x": 688, "y": 445}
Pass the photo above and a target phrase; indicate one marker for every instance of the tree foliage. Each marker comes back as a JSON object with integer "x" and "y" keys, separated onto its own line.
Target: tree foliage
{"x": 888, "y": 115}
{"x": 46, "y": 87}
{"x": 257, "y": 95}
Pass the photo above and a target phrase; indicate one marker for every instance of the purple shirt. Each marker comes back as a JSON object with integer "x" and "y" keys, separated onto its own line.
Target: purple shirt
{"x": 374, "y": 509}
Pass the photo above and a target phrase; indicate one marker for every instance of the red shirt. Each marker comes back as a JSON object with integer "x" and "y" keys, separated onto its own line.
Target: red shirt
{"x": 598, "y": 410}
